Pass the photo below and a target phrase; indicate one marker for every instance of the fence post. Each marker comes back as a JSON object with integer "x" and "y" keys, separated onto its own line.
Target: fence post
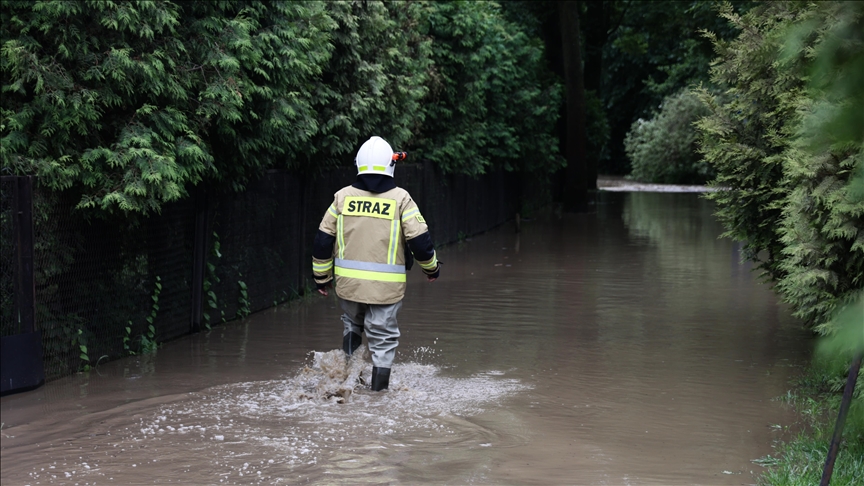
{"x": 199, "y": 259}
{"x": 22, "y": 368}
{"x": 303, "y": 184}
{"x": 25, "y": 286}
{"x": 845, "y": 403}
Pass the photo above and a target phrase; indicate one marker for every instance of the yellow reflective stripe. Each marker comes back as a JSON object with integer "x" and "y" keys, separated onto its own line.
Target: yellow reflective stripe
{"x": 409, "y": 213}
{"x": 432, "y": 263}
{"x": 394, "y": 242}
{"x": 332, "y": 210}
{"x": 376, "y": 168}
{"x": 370, "y": 275}
{"x": 322, "y": 267}
{"x": 340, "y": 236}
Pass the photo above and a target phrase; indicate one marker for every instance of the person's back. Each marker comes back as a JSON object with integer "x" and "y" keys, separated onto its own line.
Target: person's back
{"x": 362, "y": 240}
{"x": 370, "y": 242}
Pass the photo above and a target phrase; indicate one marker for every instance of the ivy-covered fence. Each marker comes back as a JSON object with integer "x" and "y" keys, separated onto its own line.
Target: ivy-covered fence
{"x": 113, "y": 287}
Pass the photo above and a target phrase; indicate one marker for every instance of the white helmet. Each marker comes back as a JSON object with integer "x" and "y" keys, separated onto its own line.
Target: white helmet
{"x": 375, "y": 157}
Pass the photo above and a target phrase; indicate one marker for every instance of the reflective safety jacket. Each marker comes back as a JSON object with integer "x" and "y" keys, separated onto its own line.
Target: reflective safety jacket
{"x": 362, "y": 240}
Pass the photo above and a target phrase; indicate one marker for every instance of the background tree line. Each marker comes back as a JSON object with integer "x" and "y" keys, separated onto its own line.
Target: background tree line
{"x": 762, "y": 100}
{"x": 130, "y": 104}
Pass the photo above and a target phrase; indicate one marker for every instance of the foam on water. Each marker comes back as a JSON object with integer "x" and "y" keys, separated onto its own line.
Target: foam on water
{"x": 263, "y": 430}
{"x": 335, "y": 391}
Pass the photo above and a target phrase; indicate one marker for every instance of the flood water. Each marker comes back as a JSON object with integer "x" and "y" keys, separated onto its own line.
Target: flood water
{"x": 628, "y": 346}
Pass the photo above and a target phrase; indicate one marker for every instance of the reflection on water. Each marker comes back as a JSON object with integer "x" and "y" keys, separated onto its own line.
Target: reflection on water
{"x": 628, "y": 346}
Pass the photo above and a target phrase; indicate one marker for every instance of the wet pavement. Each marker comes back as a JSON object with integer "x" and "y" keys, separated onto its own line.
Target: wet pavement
{"x": 627, "y": 346}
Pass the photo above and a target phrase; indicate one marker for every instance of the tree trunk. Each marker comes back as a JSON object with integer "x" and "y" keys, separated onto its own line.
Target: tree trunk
{"x": 577, "y": 173}
{"x": 596, "y": 35}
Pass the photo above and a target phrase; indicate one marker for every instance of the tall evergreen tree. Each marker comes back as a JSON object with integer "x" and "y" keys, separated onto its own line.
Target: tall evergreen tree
{"x": 124, "y": 102}
{"x": 784, "y": 171}
{"x": 580, "y": 174}
{"x": 491, "y": 100}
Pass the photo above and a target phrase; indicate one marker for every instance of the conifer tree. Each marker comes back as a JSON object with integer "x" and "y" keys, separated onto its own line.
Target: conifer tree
{"x": 787, "y": 139}
{"x": 822, "y": 224}
{"x": 490, "y": 100}
{"x": 125, "y": 106}
{"x": 745, "y": 135}
{"x": 124, "y": 102}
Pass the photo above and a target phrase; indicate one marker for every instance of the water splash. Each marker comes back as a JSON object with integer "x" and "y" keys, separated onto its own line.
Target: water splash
{"x": 332, "y": 376}
{"x": 257, "y": 432}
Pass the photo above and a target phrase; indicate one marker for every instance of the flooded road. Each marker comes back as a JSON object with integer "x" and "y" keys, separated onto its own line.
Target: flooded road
{"x": 627, "y": 346}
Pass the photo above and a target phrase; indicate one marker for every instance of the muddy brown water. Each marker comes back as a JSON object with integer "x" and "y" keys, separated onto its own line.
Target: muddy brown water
{"x": 628, "y": 346}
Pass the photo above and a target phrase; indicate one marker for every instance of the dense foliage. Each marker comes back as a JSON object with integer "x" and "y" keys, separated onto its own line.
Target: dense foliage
{"x": 130, "y": 104}
{"x": 663, "y": 148}
{"x": 785, "y": 171}
{"x": 823, "y": 221}
{"x": 650, "y": 51}
{"x": 493, "y": 99}
{"x": 744, "y": 139}
{"x": 123, "y": 102}
{"x": 373, "y": 83}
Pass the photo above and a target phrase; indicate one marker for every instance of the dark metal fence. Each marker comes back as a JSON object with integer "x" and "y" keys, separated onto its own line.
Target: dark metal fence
{"x": 101, "y": 283}
{"x": 8, "y": 259}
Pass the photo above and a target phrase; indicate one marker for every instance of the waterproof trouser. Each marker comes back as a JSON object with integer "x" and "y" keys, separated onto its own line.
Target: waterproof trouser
{"x": 379, "y": 322}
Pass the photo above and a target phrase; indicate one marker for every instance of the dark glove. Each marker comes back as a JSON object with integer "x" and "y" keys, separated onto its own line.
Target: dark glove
{"x": 320, "y": 286}
{"x": 409, "y": 258}
{"x": 433, "y": 273}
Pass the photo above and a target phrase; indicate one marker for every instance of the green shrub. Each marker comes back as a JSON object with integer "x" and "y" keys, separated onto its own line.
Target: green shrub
{"x": 785, "y": 140}
{"x": 492, "y": 100}
{"x": 822, "y": 225}
{"x": 127, "y": 105}
{"x": 663, "y": 149}
{"x": 372, "y": 84}
{"x": 745, "y": 134}
{"x": 132, "y": 103}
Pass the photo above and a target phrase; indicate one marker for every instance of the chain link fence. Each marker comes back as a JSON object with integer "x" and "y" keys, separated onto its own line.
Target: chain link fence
{"x": 101, "y": 283}
{"x": 116, "y": 286}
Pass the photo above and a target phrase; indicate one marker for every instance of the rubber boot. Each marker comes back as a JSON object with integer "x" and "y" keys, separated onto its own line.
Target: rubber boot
{"x": 350, "y": 342}
{"x": 380, "y": 378}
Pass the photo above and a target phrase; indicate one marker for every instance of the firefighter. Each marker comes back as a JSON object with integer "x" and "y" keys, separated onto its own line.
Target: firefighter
{"x": 362, "y": 241}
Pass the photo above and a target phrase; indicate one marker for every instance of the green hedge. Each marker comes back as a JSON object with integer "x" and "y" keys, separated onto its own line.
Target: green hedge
{"x": 128, "y": 105}
{"x": 663, "y": 149}
{"x": 786, "y": 141}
